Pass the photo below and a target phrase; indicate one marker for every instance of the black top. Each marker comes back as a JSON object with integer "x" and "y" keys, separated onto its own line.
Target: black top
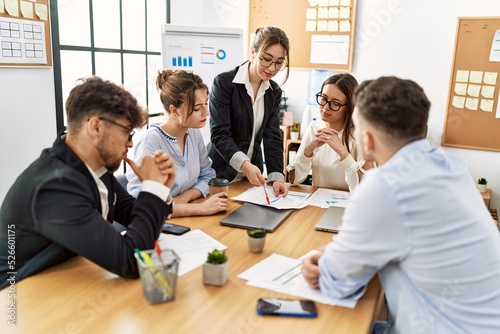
{"x": 231, "y": 126}
{"x": 53, "y": 212}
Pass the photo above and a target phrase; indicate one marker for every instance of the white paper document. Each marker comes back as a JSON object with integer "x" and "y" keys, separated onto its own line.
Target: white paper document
{"x": 495, "y": 47}
{"x": 192, "y": 247}
{"x": 329, "y": 197}
{"x": 284, "y": 274}
{"x": 256, "y": 195}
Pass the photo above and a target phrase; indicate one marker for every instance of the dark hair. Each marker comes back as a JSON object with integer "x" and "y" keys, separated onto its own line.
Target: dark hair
{"x": 396, "y": 106}
{"x": 94, "y": 96}
{"x": 347, "y": 84}
{"x": 177, "y": 87}
{"x": 268, "y": 36}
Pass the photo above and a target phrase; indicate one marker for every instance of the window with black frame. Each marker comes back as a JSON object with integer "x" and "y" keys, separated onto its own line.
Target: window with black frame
{"x": 118, "y": 40}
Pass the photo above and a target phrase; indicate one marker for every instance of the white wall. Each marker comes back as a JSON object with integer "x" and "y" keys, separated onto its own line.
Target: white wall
{"x": 407, "y": 38}
{"x": 27, "y": 119}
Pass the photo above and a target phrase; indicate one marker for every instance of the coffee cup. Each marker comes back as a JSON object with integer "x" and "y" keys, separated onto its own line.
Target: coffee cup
{"x": 217, "y": 185}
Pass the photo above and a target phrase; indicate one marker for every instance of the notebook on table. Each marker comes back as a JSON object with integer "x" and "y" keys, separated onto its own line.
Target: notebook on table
{"x": 331, "y": 219}
{"x": 251, "y": 216}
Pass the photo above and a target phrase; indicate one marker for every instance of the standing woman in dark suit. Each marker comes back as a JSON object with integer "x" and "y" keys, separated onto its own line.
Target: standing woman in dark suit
{"x": 244, "y": 107}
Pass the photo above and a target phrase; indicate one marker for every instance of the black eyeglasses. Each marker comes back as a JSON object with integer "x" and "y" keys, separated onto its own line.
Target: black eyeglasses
{"x": 129, "y": 130}
{"x": 333, "y": 105}
{"x": 278, "y": 65}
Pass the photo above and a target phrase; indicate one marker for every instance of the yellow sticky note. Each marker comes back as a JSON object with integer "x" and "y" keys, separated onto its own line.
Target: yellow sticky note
{"x": 487, "y": 105}
{"x": 462, "y": 76}
{"x": 458, "y": 102}
{"x": 313, "y": 3}
{"x": 334, "y": 2}
{"x": 471, "y": 103}
{"x": 345, "y": 3}
{"x": 323, "y": 3}
{"x": 490, "y": 78}
{"x": 322, "y": 25}
{"x": 311, "y": 13}
{"x": 2, "y": 7}
{"x": 473, "y": 90}
{"x": 476, "y": 76}
{"x": 488, "y": 91}
{"x": 345, "y": 12}
{"x": 461, "y": 89}
{"x": 310, "y": 25}
{"x": 41, "y": 11}
{"x": 27, "y": 9}
{"x": 333, "y": 12}
{"x": 12, "y": 7}
{"x": 333, "y": 25}
{"x": 345, "y": 26}
{"x": 322, "y": 13}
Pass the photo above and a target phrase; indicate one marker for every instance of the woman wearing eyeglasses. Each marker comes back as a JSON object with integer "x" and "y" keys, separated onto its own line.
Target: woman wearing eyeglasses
{"x": 244, "y": 109}
{"x": 328, "y": 146}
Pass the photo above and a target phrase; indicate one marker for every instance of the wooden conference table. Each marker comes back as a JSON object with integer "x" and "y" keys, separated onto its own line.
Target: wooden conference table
{"x": 80, "y": 297}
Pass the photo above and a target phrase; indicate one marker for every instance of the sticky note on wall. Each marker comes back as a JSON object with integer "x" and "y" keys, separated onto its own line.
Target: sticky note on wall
{"x": 41, "y": 11}
{"x": 12, "y": 7}
{"x": 27, "y": 9}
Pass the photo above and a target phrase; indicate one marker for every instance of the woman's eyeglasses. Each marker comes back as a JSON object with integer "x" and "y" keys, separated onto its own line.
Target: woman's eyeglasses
{"x": 278, "y": 65}
{"x": 333, "y": 105}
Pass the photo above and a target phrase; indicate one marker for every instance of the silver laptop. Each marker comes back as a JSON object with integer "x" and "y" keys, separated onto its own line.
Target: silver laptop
{"x": 331, "y": 219}
{"x": 256, "y": 216}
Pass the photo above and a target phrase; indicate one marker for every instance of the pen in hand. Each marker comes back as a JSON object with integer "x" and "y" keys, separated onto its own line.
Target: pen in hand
{"x": 265, "y": 192}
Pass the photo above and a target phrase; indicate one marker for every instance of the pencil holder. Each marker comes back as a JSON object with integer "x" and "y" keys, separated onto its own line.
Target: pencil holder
{"x": 158, "y": 274}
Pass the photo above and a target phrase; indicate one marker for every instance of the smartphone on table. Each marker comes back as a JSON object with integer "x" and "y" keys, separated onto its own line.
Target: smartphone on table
{"x": 174, "y": 229}
{"x": 287, "y": 307}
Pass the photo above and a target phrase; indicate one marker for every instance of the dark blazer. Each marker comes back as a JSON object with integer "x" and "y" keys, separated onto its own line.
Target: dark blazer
{"x": 53, "y": 212}
{"x": 231, "y": 126}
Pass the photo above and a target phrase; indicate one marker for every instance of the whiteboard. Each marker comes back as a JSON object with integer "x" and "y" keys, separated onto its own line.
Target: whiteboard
{"x": 206, "y": 51}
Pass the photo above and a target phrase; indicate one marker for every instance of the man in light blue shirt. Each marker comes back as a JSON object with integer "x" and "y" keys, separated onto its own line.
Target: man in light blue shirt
{"x": 417, "y": 221}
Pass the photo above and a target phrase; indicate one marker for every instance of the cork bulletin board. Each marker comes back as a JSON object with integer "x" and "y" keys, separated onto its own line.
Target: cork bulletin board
{"x": 321, "y": 32}
{"x": 25, "y": 33}
{"x": 473, "y": 109}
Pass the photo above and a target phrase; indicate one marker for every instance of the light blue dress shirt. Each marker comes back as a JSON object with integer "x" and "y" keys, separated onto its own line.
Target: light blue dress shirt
{"x": 193, "y": 169}
{"x": 421, "y": 224}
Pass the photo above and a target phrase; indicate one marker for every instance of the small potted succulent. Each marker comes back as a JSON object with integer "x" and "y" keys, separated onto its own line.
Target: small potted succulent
{"x": 294, "y": 133}
{"x": 256, "y": 240}
{"x": 216, "y": 269}
{"x": 481, "y": 184}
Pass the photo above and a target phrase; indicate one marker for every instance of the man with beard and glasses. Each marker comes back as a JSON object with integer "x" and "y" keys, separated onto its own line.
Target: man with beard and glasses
{"x": 64, "y": 203}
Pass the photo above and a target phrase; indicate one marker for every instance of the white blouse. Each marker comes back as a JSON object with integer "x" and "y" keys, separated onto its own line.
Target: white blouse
{"x": 327, "y": 172}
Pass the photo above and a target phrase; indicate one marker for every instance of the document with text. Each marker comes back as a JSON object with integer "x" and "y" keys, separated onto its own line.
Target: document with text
{"x": 329, "y": 197}
{"x": 192, "y": 248}
{"x": 256, "y": 195}
{"x": 284, "y": 274}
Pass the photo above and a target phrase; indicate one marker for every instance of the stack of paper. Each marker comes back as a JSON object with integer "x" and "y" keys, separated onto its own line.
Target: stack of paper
{"x": 256, "y": 195}
{"x": 329, "y": 197}
{"x": 192, "y": 247}
{"x": 284, "y": 274}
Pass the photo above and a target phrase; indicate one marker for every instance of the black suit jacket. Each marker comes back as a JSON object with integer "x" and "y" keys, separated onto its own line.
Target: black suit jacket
{"x": 53, "y": 211}
{"x": 231, "y": 126}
